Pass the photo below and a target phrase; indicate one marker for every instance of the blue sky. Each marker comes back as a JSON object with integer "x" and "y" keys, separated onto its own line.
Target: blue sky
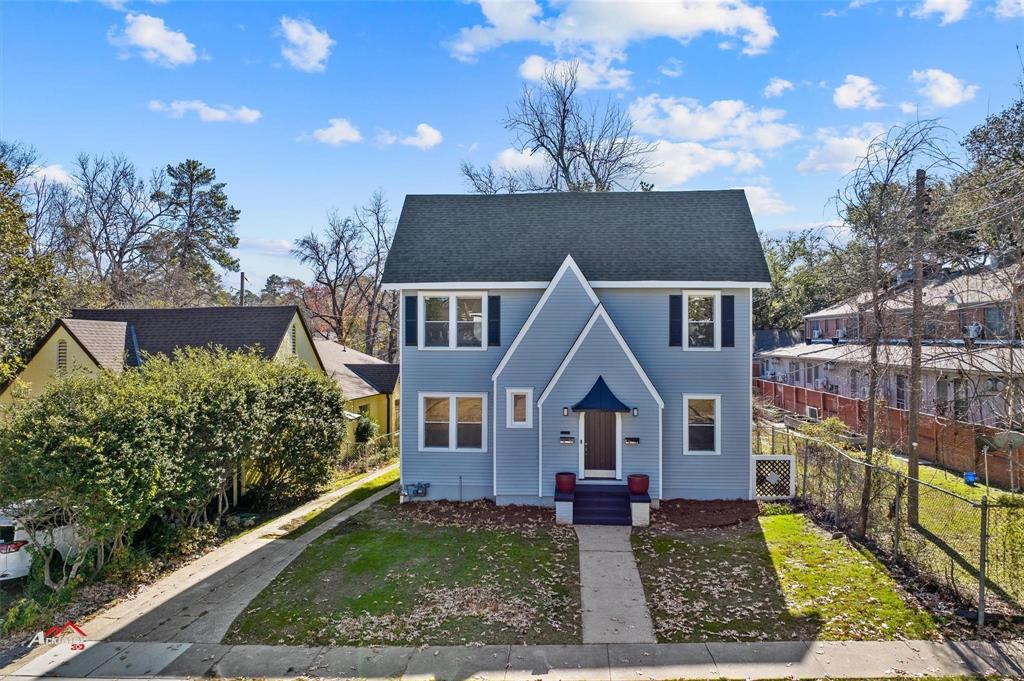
{"x": 307, "y": 107}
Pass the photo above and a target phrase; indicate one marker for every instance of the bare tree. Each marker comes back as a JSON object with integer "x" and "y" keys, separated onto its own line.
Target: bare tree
{"x": 877, "y": 205}
{"x": 583, "y": 148}
{"x": 378, "y": 305}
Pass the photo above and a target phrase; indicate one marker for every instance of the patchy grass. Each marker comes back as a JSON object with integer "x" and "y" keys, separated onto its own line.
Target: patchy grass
{"x": 317, "y": 516}
{"x": 382, "y": 578}
{"x": 776, "y": 578}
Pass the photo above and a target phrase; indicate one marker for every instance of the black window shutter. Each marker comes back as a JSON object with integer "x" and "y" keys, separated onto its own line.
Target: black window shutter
{"x": 494, "y": 320}
{"x": 728, "y": 321}
{"x": 411, "y": 323}
{"x": 675, "y": 321}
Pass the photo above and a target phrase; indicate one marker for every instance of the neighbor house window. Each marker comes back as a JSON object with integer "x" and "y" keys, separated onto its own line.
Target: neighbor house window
{"x": 794, "y": 372}
{"x": 854, "y": 382}
{"x": 453, "y": 320}
{"x": 519, "y": 407}
{"x": 702, "y": 311}
{"x": 453, "y": 422}
{"x": 995, "y": 323}
{"x": 901, "y": 391}
{"x": 701, "y": 424}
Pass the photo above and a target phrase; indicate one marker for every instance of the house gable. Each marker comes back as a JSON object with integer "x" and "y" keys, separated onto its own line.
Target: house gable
{"x": 303, "y": 346}
{"x": 42, "y": 365}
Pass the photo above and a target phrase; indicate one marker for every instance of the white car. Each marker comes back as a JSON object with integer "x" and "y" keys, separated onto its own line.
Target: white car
{"x": 15, "y": 559}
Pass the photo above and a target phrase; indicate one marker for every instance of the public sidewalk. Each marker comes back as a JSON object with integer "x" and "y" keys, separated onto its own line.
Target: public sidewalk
{"x": 605, "y": 662}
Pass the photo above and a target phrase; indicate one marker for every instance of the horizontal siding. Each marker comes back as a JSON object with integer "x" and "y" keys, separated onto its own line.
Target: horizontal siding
{"x": 455, "y": 371}
{"x": 642, "y": 318}
{"x": 600, "y": 355}
{"x": 542, "y": 349}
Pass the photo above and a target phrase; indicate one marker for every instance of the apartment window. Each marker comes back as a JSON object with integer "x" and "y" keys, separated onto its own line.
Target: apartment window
{"x": 453, "y": 422}
{"x": 519, "y": 407}
{"x": 794, "y": 372}
{"x": 854, "y": 382}
{"x": 701, "y": 421}
{"x": 942, "y": 397}
{"x": 959, "y": 399}
{"x": 453, "y": 321}
{"x": 702, "y": 311}
{"x": 813, "y": 373}
{"x": 995, "y": 323}
{"x": 815, "y": 329}
{"x": 62, "y": 355}
{"x": 901, "y": 391}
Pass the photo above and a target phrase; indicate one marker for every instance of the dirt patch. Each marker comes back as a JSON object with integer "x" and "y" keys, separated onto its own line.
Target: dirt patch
{"x": 686, "y": 514}
{"x": 478, "y": 514}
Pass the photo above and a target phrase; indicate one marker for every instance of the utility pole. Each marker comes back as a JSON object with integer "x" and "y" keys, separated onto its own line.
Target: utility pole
{"x": 916, "y": 335}
{"x": 241, "y": 290}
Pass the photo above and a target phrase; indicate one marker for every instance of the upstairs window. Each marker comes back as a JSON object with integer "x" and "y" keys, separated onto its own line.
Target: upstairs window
{"x": 453, "y": 321}
{"x": 702, "y": 311}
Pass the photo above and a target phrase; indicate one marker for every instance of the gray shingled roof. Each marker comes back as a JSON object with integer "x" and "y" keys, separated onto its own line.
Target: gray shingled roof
{"x": 105, "y": 341}
{"x": 620, "y": 236}
{"x": 161, "y": 331}
{"x": 383, "y": 377}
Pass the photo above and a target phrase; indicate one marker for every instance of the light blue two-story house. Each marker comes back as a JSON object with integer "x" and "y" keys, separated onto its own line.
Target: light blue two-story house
{"x": 602, "y": 334}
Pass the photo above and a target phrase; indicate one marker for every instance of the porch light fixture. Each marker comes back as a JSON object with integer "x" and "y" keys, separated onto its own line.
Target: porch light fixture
{"x": 565, "y": 411}
{"x": 636, "y": 412}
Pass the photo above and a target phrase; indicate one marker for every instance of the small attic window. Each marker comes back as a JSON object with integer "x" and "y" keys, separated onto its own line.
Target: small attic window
{"x": 62, "y": 355}
{"x": 293, "y": 339}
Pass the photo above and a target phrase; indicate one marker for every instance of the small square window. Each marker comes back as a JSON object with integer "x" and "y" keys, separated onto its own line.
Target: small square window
{"x": 519, "y": 408}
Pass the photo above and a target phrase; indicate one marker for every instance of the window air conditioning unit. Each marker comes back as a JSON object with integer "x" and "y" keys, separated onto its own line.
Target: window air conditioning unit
{"x": 816, "y": 333}
{"x": 812, "y": 413}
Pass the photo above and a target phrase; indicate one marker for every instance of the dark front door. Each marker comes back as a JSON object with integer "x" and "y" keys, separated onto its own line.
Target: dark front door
{"x": 599, "y": 444}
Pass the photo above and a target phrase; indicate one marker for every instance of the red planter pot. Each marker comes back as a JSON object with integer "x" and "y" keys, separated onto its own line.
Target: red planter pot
{"x": 565, "y": 482}
{"x": 638, "y": 483}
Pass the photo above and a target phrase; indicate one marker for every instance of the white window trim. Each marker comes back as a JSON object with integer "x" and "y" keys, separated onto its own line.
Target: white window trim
{"x": 509, "y": 393}
{"x": 717, "y": 295}
{"x": 686, "y": 424}
{"x": 452, "y": 324}
{"x": 452, "y": 423}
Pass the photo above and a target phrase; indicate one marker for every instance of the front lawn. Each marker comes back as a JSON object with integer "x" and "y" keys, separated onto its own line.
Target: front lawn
{"x": 774, "y": 578}
{"x": 423, "y": 575}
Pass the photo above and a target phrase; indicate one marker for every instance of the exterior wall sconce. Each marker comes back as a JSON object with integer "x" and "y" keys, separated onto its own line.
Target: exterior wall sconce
{"x": 565, "y": 411}
{"x": 636, "y": 412}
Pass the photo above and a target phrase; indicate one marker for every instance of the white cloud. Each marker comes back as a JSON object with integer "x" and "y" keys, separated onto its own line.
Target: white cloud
{"x": 673, "y": 68}
{"x": 908, "y": 107}
{"x": 52, "y": 173}
{"x": 306, "y": 47}
{"x": 951, "y": 10}
{"x": 206, "y": 113}
{"x": 425, "y": 137}
{"x": 153, "y": 40}
{"x": 591, "y": 74}
{"x": 943, "y": 89}
{"x": 1010, "y": 9}
{"x": 278, "y": 248}
{"x": 857, "y": 92}
{"x": 839, "y": 152}
{"x": 728, "y": 122}
{"x": 678, "y": 162}
{"x": 604, "y": 30}
{"x": 776, "y": 86}
{"x": 338, "y": 131}
{"x": 514, "y": 160}
{"x": 766, "y": 201}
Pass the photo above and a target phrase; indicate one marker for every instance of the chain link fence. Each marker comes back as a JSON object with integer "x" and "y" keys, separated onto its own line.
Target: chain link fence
{"x": 360, "y": 457}
{"x": 974, "y": 548}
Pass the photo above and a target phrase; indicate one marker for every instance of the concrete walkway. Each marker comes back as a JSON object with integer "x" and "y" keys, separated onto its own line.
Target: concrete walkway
{"x": 614, "y": 606}
{"x": 198, "y": 602}
{"x": 614, "y": 662}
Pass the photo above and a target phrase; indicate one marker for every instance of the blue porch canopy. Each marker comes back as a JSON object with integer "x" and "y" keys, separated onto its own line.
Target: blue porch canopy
{"x": 600, "y": 398}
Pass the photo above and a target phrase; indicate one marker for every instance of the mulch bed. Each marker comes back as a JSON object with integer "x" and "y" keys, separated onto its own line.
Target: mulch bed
{"x": 686, "y": 514}
{"x": 478, "y": 514}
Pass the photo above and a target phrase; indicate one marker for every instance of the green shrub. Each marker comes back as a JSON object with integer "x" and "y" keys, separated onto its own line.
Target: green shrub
{"x": 366, "y": 429}
{"x": 24, "y": 613}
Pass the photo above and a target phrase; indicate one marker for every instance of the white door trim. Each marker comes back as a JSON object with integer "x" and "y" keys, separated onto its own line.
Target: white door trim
{"x": 582, "y": 471}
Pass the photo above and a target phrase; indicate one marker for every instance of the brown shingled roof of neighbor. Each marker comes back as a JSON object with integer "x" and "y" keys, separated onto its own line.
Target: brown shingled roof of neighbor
{"x": 163, "y": 330}
{"x": 106, "y": 342}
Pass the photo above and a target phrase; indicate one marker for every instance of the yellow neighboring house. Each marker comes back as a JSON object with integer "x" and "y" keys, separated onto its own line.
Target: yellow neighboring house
{"x": 97, "y": 340}
{"x": 370, "y": 385}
